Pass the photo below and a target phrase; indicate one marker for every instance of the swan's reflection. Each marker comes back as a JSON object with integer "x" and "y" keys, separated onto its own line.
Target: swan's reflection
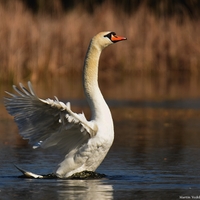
{"x": 85, "y": 189}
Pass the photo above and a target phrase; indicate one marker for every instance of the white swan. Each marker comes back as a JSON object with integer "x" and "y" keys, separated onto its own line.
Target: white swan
{"x": 51, "y": 123}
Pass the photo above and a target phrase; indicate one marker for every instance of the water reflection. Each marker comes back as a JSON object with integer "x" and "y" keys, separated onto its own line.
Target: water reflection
{"x": 92, "y": 189}
{"x": 121, "y": 87}
{"x": 15, "y": 188}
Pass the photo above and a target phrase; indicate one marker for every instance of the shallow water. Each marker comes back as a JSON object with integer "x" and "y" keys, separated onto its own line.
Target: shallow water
{"x": 155, "y": 154}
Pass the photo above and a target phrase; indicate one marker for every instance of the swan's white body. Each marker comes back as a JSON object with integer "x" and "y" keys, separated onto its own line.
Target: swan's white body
{"x": 52, "y": 124}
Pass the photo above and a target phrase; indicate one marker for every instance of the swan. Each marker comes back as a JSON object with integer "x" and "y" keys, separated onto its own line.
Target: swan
{"x": 52, "y": 124}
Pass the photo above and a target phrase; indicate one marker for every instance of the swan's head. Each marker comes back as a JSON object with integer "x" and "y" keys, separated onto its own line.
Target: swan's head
{"x": 103, "y": 39}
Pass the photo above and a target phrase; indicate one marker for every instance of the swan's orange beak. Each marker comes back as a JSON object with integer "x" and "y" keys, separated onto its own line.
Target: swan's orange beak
{"x": 116, "y": 38}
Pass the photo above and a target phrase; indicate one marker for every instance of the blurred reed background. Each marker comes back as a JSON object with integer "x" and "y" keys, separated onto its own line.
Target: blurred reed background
{"x": 49, "y": 38}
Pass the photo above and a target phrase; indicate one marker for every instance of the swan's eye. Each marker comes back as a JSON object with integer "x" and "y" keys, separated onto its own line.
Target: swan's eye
{"x": 109, "y": 35}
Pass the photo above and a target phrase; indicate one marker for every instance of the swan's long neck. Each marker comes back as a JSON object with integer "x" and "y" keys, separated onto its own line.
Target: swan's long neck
{"x": 93, "y": 94}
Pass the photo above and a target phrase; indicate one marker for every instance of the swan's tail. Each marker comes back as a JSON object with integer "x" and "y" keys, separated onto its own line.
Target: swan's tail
{"x": 79, "y": 175}
{"x": 27, "y": 174}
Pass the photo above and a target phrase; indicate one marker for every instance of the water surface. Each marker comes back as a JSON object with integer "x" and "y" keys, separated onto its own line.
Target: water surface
{"x": 155, "y": 154}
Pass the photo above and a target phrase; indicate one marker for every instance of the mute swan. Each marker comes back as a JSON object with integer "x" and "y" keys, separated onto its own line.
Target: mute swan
{"x": 51, "y": 123}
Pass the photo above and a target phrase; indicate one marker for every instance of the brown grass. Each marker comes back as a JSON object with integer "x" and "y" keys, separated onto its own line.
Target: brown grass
{"x": 35, "y": 45}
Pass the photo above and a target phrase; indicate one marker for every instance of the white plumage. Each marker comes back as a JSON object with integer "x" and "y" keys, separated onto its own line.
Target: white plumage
{"x": 52, "y": 124}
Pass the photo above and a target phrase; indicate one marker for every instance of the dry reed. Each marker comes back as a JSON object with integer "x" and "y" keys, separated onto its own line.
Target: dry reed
{"x": 35, "y": 45}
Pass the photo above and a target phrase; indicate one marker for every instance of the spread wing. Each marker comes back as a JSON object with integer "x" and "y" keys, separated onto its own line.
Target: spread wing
{"x": 48, "y": 123}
